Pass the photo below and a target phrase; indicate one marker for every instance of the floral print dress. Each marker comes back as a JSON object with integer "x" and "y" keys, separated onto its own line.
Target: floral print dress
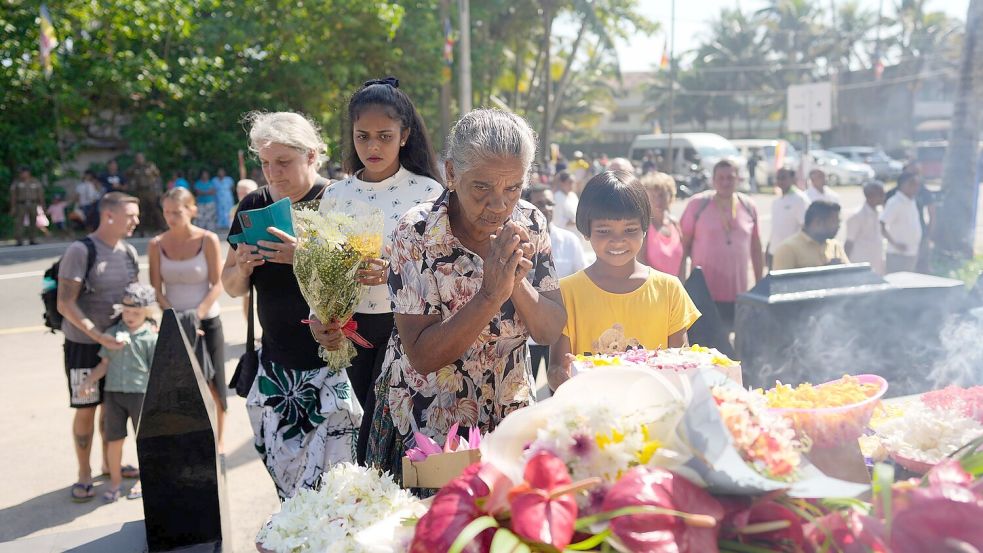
{"x": 433, "y": 273}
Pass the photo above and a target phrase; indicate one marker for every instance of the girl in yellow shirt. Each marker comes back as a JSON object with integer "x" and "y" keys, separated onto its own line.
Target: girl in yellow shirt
{"x": 618, "y": 303}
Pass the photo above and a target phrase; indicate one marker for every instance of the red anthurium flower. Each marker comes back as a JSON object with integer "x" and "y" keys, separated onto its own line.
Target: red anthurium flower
{"x": 852, "y": 532}
{"x": 938, "y": 524}
{"x": 949, "y": 472}
{"x": 751, "y": 523}
{"x": 453, "y": 508}
{"x": 540, "y": 511}
{"x": 693, "y": 532}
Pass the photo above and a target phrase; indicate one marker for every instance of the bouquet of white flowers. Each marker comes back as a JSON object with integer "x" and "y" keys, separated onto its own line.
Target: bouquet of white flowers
{"x": 350, "y": 500}
{"x": 331, "y": 245}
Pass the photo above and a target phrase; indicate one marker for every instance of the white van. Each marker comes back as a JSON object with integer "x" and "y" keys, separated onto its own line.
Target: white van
{"x": 710, "y": 148}
{"x": 765, "y": 150}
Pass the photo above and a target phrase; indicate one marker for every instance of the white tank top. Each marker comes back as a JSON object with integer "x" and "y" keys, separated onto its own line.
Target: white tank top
{"x": 186, "y": 282}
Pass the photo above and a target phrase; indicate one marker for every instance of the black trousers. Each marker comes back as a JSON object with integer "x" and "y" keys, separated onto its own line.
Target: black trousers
{"x": 538, "y": 354}
{"x": 366, "y": 367}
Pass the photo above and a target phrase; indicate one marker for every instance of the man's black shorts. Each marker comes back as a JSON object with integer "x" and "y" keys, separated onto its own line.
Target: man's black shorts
{"x": 80, "y": 359}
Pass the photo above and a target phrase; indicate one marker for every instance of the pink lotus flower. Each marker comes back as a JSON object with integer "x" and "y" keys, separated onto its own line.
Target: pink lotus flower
{"x": 543, "y": 509}
{"x": 691, "y": 527}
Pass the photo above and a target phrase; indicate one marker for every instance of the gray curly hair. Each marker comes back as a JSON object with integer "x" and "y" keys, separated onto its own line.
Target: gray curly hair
{"x": 490, "y": 133}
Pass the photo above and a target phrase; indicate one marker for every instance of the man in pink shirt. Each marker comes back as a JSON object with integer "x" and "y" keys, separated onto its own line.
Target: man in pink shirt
{"x": 721, "y": 235}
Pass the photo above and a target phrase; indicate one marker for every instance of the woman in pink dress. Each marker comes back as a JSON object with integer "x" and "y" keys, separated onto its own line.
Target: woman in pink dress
{"x": 720, "y": 235}
{"x": 663, "y": 249}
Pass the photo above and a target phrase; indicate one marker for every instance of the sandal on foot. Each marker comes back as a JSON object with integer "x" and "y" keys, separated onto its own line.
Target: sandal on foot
{"x": 111, "y": 496}
{"x": 130, "y": 472}
{"x": 82, "y": 492}
{"x": 136, "y": 492}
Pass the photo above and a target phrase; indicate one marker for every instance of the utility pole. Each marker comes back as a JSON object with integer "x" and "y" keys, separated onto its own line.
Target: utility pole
{"x": 445, "y": 73}
{"x": 548, "y": 81}
{"x": 672, "y": 86}
{"x": 464, "y": 20}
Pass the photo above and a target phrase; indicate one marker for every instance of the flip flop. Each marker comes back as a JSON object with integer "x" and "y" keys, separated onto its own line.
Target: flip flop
{"x": 86, "y": 492}
{"x": 136, "y": 492}
{"x": 130, "y": 472}
{"x": 111, "y": 496}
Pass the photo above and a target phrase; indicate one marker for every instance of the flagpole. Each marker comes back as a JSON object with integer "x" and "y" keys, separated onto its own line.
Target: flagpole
{"x": 672, "y": 85}
{"x": 445, "y": 72}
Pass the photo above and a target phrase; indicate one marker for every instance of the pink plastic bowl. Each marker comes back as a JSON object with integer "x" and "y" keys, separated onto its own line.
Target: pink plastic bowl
{"x": 834, "y": 426}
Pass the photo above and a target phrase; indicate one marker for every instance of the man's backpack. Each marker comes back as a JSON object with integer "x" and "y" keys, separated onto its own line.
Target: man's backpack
{"x": 49, "y": 292}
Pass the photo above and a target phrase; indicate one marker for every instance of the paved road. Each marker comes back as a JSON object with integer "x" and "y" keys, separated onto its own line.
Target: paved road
{"x": 39, "y": 462}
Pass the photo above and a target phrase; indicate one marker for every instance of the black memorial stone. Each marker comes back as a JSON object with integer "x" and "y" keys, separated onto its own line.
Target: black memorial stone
{"x": 184, "y": 497}
{"x": 709, "y": 329}
{"x": 816, "y": 324}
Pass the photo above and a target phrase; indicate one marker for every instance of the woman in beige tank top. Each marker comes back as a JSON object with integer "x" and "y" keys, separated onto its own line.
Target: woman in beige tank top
{"x": 185, "y": 269}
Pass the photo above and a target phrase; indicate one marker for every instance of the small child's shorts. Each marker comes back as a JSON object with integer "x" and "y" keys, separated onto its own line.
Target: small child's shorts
{"x": 120, "y": 406}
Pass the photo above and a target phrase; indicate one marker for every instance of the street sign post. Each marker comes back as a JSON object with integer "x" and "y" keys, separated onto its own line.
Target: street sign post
{"x": 810, "y": 109}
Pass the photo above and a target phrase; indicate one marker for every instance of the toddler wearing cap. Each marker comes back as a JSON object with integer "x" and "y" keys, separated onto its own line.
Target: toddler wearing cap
{"x": 126, "y": 369}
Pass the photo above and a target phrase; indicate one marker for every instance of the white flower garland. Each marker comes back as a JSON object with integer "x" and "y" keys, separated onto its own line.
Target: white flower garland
{"x": 350, "y": 499}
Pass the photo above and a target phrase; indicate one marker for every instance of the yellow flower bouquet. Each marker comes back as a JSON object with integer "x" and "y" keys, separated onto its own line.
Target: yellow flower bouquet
{"x": 331, "y": 244}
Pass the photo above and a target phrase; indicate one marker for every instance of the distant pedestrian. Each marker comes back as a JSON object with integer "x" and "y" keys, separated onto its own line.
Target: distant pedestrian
{"x": 817, "y": 189}
{"x": 205, "y": 196}
{"x": 565, "y": 210}
{"x": 87, "y": 194}
{"x": 85, "y": 299}
{"x": 663, "y": 248}
{"x": 620, "y": 164}
{"x": 864, "y": 239}
{"x": 26, "y": 198}
{"x": 112, "y": 180}
{"x": 815, "y": 245}
{"x": 788, "y": 212}
{"x": 223, "y": 198}
{"x": 56, "y": 213}
{"x": 926, "y": 201}
{"x": 123, "y": 374}
{"x": 752, "y": 168}
{"x": 902, "y": 226}
{"x": 243, "y": 188}
{"x": 180, "y": 181}
{"x": 186, "y": 272}
{"x": 568, "y": 258}
{"x": 144, "y": 179}
{"x": 721, "y": 235}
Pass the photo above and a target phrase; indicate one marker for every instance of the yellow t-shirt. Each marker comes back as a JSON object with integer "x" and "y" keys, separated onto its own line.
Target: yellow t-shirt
{"x": 599, "y": 321}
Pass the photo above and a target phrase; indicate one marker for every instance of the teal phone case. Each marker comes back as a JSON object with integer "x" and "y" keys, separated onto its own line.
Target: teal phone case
{"x": 254, "y": 223}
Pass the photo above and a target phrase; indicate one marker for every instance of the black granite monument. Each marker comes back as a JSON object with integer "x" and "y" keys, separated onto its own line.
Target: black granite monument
{"x": 816, "y": 324}
{"x": 184, "y": 497}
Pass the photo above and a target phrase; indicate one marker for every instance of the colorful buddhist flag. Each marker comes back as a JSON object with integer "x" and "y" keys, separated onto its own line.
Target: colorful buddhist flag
{"x": 48, "y": 41}
{"x": 448, "y": 55}
{"x": 780, "y": 155}
{"x": 664, "y": 62}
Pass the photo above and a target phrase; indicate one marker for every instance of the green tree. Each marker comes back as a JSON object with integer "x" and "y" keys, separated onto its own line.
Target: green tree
{"x": 956, "y": 230}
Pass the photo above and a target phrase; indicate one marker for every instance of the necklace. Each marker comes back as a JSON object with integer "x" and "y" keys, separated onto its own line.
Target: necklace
{"x": 727, "y": 219}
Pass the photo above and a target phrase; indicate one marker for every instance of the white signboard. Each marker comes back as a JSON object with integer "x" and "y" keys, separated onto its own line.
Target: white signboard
{"x": 810, "y": 107}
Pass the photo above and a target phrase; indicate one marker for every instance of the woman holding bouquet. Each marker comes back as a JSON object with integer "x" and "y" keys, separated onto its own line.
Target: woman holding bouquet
{"x": 393, "y": 169}
{"x": 303, "y": 416}
{"x": 471, "y": 279}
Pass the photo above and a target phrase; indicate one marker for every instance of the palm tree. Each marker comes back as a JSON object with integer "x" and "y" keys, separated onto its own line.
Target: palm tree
{"x": 959, "y": 180}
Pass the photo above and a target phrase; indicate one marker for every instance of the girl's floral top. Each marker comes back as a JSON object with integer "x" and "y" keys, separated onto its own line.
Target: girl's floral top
{"x": 433, "y": 273}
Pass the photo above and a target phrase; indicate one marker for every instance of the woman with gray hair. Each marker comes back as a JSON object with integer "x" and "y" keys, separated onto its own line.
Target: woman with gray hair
{"x": 303, "y": 415}
{"x": 471, "y": 279}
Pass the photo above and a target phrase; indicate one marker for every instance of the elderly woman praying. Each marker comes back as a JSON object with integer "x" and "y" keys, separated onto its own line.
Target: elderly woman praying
{"x": 471, "y": 279}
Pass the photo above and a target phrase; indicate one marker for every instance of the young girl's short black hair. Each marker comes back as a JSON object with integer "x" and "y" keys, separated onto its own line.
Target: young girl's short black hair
{"x": 613, "y": 195}
{"x": 417, "y": 156}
